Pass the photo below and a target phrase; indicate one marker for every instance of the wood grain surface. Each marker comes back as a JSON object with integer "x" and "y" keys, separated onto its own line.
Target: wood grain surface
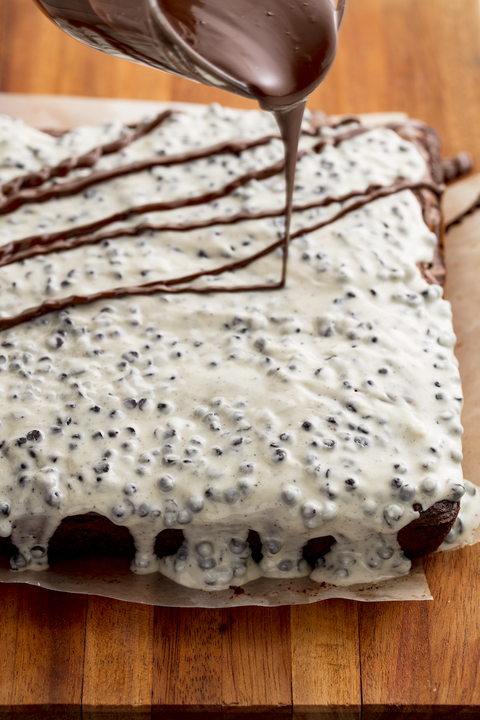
{"x": 66, "y": 656}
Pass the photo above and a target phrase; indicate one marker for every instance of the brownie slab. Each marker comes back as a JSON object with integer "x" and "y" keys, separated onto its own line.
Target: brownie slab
{"x": 217, "y": 432}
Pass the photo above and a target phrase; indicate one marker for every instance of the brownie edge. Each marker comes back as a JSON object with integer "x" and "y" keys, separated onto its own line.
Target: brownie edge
{"x": 425, "y": 534}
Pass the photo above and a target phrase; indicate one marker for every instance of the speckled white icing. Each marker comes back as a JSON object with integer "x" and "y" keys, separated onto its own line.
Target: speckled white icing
{"x": 327, "y": 408}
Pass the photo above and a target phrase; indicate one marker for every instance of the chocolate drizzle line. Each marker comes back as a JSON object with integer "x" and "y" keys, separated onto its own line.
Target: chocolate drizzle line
{"x": 345, "y": 120}
{"x": 39, "y": 244}
{"x": 16, "y": 193}
{"x": 337, "y": 139}
{"x": 178, "y": 285}
{"x": 12, "y": 189}
{"x": 13, "y": 199}
{"x": 70, "y": 239}
{"x": 48, "y": 242}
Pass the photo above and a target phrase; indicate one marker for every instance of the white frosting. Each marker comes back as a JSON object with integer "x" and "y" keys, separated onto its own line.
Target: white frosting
{"x": 286, "y": 412}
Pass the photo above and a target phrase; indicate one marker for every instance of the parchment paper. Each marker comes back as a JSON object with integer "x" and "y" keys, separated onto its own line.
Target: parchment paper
{"x": 111, "y": 577}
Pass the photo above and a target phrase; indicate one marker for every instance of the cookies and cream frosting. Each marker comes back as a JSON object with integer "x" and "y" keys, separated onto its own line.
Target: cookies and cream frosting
{"x": 330, "y": 407}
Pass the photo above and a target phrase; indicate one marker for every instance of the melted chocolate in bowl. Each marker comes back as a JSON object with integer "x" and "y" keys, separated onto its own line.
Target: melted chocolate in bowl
{"x": 274, "y": 51}
{"x": 280, "y": 50}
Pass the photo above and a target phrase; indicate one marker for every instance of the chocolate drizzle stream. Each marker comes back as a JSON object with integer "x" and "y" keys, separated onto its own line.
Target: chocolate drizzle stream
{"x": 84, "y": 235}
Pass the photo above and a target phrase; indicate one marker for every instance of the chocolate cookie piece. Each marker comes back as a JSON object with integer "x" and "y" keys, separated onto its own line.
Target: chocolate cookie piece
{"x": 425, "y": 534}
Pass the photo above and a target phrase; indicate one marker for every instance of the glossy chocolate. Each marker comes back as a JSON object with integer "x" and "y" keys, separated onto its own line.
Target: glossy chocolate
{"x": 279, "y": 49}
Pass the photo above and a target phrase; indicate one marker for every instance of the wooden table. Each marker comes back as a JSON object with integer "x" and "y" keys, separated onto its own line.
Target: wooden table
{"x": 65, "y": 656}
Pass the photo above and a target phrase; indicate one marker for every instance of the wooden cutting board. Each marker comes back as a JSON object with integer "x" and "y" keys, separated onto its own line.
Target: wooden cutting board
{"x": 67, "y": 656}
